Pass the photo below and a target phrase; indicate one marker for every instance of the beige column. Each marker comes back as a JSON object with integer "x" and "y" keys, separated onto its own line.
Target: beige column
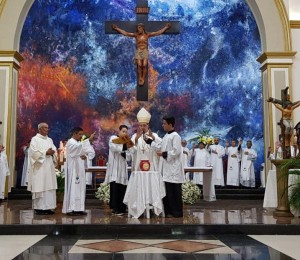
{"x": 276, "y": 69}
{"x": 9, "y": 70}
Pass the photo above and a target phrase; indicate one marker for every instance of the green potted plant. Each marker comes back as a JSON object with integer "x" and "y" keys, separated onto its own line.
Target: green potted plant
{"x": 293, "y": 169}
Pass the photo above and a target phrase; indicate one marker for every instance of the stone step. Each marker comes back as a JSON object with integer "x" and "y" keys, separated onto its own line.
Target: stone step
{"x": 224, "y": 193}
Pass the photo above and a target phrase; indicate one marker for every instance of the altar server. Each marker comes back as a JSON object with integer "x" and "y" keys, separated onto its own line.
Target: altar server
{"x": 171, "y": 167}
{"x": 90, "y": 155}
{"x": 186, "y": 158}
{"x": 24, "y": 179}
{"x": 117, "y": 171}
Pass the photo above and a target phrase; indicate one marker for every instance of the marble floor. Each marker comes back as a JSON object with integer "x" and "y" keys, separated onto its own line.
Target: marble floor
{"x": 179, "y": 248}
{"x": 219, "y": 212}
{"x": 152, "y": 243}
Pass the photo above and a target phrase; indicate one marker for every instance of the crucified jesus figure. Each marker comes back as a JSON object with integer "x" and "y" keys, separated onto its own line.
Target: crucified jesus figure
{"x": 287, "y": 118}
{"x": 141, "y": 54}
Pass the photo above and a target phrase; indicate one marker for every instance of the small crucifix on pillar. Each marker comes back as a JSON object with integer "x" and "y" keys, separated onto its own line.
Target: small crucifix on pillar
{"x": 138, "y": 30}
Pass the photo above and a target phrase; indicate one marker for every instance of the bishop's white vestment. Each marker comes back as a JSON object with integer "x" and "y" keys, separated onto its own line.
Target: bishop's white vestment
{"x": 216, "y": 157}
{"x": 41, "y": 173}
{"x": 202, "y": 159}
{"x": 144, "y": 188}
{"x": 233, "y": 166}
{"x": 247, "y": 177}
{"x": 75, "y": 187}
{"x": 4, "y": 171}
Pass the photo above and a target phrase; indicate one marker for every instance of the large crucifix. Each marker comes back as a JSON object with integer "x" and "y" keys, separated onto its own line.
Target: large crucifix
{"x": 138, "y": 30}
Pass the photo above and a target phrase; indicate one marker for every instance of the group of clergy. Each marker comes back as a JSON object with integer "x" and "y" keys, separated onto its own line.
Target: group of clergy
{"x": 147, "y": 153}
{"x": 240, "y": 164}
{"x": 41, "y": 180}
{"x": 146, "y": 150}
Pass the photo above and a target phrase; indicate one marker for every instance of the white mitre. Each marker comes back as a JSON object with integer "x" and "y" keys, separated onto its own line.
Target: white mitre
{"x": 143, "y": 116}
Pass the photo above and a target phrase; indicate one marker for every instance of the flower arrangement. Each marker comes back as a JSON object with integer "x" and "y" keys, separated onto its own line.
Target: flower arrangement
{"x": 60, "y": 177}
{"x": 103, "y": 193}
{"x": 205, "y": 137}
{"x": 190, "y": 193}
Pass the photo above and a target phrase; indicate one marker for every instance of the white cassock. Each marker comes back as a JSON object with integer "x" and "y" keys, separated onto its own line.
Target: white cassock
{"x": 202, "y": 159}
{"x": 186, "y": 161}
{"x": 75, "y": 187}
{"x": 172, "y": 168}
{"x": 24, "y": 179}
{"x": 41, "y": 173}
{"x": 247, "y": 177}
{"x": 217, "y": 163}
{"x": 90, "y": 155}
{"x": 117, "y": 169}
{"x": 4, "y": 171}
{"x": 144, "y": 188}
{"x": 233, "y": 166}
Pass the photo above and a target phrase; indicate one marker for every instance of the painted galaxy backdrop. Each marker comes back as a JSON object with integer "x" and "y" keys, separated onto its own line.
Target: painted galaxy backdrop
{"x": 76, "y": 75}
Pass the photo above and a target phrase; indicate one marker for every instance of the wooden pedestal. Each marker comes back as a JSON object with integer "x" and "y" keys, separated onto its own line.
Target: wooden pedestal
{"x": 283, "y": 207}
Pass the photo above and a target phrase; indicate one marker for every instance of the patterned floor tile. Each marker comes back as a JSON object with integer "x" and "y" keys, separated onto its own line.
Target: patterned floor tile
{"x": 162, "y": 246}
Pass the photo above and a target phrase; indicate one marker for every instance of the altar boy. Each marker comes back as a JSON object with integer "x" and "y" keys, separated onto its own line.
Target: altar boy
{"x": 171, "y": 167}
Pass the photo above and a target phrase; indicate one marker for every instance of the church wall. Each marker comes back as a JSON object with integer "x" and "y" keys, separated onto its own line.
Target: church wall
{"x": 269, "y": 23}
{"x": 296, "y": 71}
{"x": 265, "y": 12}
{"x": 11, "y": 22}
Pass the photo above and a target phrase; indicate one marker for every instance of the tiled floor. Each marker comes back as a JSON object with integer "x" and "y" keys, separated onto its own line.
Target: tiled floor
{"x": 151, "y": 244}
{"x": 209, "y": 247}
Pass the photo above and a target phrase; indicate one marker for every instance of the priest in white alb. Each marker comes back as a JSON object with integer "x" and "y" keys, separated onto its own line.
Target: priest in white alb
{"x": 247, "y": 176}
{"x": 75, "y": 187}
{"x": 217, "y": 153}
{"x": 145, "y": 188}
{"x": 233, "y": 164}
{"x": 42, "y": 182}
{"x": 4, "y": 171}
{"x": 201, "y": 159}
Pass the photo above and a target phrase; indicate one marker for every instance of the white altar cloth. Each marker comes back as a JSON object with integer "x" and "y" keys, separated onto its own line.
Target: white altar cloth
{"x": 144, "y": 189}
{"x": 209, "y": 193}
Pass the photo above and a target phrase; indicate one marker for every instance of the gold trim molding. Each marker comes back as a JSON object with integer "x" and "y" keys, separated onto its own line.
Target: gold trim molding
{"x": 13, "y": 54}
{"x": 285, "y": 22}
{"x": 295, "y": 24}
{"x": 2, "y": 4}
{"x": 275, "y": 55}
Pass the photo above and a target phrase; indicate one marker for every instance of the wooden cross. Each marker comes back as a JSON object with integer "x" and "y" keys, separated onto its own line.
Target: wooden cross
{"x": 142, "y": 11}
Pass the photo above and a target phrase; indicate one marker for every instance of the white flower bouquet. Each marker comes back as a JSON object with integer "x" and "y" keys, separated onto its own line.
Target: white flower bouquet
{"x": 103, "y": 193}
{"x": 60, "y": 177}
{"x": 190, "y": 192}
